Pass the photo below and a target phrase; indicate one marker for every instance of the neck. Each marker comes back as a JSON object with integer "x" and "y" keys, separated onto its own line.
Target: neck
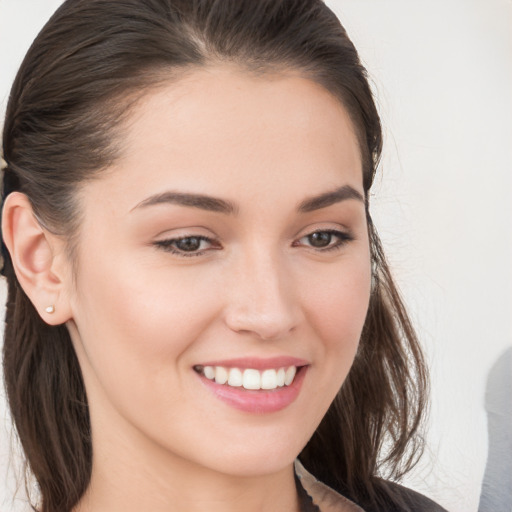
{"x": 190, "y": 494}
{"x": 129, "y": 479}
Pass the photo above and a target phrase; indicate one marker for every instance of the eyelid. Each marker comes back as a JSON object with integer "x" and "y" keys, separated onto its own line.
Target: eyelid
{"x": 343, "y": 236}
{"x": 167, "y": 245}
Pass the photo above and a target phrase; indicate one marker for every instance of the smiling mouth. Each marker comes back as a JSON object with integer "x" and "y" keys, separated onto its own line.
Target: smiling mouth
{"x": 249, "y": 378}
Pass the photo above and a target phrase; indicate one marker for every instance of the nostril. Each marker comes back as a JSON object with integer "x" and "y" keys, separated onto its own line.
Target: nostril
{"x": 261, "y": 300}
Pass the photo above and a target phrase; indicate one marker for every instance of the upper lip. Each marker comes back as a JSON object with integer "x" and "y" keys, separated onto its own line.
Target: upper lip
{"x": 257, "y": 363}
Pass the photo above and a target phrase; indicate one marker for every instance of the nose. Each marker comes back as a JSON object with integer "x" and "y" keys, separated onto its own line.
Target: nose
{"x": 262, "y": 298}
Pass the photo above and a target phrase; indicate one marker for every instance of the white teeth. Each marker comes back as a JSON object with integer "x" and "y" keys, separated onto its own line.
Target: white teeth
{"x": 209, "y": 372}
{"x": 235, "y": 377}
{"x": 221, "y": 375}
{"x": 281, "y": 374}
{"x": 290, "y": 375}
{"x": 250, "y": 378}
{"x": 269, "y": 379}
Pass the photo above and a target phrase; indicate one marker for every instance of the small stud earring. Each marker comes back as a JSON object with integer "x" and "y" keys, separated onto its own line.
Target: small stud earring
{"x": 50, "y": 309}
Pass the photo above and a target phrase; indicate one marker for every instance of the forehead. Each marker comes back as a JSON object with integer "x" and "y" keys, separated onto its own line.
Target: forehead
{"x": 226, "y": 132}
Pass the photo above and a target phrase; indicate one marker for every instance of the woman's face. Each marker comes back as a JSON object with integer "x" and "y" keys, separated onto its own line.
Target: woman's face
{"x": 228, "y": 241}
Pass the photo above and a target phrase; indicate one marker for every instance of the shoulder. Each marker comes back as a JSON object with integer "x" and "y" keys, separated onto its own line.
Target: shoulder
{"x": 323, "y": 498}
{"x": 402, "y": 499}
{"x": 397, "y": 497}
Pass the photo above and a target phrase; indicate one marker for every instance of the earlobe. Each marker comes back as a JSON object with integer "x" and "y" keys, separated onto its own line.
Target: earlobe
{"x": 33, "y": 252}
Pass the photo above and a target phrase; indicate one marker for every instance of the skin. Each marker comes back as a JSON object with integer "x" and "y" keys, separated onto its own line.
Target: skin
{"x": 141, "y": 317}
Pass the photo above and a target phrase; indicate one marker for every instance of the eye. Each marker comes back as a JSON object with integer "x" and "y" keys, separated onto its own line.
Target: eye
{"x": 325, "y": 240}
{"x": 187, "y": 245}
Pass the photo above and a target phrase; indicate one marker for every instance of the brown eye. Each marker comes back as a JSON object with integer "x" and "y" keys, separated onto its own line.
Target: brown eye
{"x": 189, "y": 244}
{"x": 324, "y": 240}
{"x": 320, "y": 239}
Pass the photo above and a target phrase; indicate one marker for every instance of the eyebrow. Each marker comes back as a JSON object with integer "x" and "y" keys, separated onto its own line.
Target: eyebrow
{"x": 215, "y": 204}
{"x": 211, "y": 204}
{"x": 329, "y": 198}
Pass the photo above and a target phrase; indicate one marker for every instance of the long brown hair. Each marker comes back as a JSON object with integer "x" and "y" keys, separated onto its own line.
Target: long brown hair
{"x": 89, "y": 65}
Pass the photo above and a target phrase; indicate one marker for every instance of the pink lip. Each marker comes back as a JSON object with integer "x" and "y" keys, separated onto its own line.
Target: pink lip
{"x": 258, "y": 363}
{"x": 259, "y": 401}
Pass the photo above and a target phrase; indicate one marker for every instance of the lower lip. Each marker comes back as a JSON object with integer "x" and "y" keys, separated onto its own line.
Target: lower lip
{"x": 257, "y": 401}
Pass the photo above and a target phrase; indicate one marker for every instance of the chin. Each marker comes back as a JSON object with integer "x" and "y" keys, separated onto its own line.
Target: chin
{"x": 258, "y": 457}
{"x": 250, "y": 465}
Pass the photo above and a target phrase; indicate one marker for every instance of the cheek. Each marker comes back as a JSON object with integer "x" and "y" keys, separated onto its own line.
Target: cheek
{"x": 149, "y": 307}
{"x": 138, "y": 326}
{"x": 337, "y": 305}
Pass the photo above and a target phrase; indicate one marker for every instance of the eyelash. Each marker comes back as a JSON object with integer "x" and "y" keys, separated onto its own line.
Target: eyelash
{"x": 343, "y": 238}
{"x": 169, "y": 245}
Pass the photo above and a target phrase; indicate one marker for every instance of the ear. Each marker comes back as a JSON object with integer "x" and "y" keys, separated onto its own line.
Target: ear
{"x": 38, "y": 258}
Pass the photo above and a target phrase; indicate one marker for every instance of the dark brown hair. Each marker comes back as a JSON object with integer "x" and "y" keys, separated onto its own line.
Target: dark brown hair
{"x": 89, "y": 65}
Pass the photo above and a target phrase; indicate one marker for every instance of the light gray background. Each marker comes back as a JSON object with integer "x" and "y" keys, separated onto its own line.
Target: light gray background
{"x": 442, "y": 73}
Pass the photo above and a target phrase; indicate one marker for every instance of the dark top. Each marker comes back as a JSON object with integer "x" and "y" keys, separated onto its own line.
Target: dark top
{"x": 315, "y": 496}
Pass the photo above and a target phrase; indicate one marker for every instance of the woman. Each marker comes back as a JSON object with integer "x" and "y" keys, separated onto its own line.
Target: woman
{"x": 200, "y": 315}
